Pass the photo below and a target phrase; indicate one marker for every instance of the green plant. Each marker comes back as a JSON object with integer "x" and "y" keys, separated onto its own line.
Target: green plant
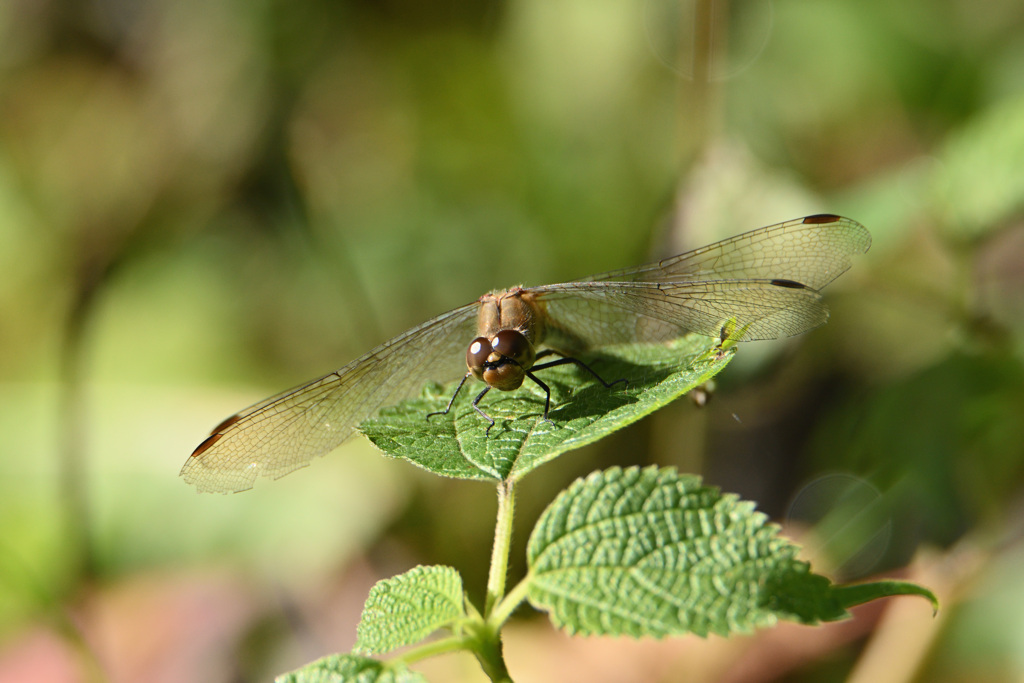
{"x": 633, "y": 552}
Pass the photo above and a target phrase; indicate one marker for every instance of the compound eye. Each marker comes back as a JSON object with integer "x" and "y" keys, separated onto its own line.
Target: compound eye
{"x": 477, "y": 353}
{"x": 512, "y": 344}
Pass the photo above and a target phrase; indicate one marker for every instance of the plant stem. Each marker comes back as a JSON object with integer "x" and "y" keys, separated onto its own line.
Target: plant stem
{"x": 450, "y": 644}
{"x": 503, "y": 610}
{"x": 486, "y": 637}
{"x": 502, "y": 542}
{"x": 488, "y": 653}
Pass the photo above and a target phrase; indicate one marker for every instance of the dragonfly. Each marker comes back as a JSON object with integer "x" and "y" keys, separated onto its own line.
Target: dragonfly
{"x": 762, "y": 284}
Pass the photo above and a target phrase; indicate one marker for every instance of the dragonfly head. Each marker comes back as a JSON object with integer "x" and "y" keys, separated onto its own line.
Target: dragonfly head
{"x": 501, "y": 361}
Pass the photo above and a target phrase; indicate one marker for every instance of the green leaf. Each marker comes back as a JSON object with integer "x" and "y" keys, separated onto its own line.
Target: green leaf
{"x": 409, "y": 607}
{"x": 652, "y": 553}
{"x": 980, "y": 181}
{"x": 582, "y": 411}
{"x": 351, "y": 669}
{"x": 851, "y": 595}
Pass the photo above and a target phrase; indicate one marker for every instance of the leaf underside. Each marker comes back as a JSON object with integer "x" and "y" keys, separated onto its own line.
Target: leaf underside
{"x": 582, "y": 411}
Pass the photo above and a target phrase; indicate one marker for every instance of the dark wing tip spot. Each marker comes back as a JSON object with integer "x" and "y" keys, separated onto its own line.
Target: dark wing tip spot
{"x": 205, "y": 445}
{"x": 820, "y": 218}
{"x": 224, "y": 425}
{"x": 791, "y": 284}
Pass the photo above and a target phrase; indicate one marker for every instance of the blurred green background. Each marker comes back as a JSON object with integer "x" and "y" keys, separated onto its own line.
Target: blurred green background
{"x": 203, "y": 203}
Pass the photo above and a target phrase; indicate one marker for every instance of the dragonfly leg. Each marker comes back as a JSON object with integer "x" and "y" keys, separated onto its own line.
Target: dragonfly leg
{"x": 476, "y": 407}
{"x": 575, "y": 361}
{"x": 563, "y": 361}
{"x": 452, "y": 401}
{"x": 476, "y": 402}
{"x": 547, "y": 391}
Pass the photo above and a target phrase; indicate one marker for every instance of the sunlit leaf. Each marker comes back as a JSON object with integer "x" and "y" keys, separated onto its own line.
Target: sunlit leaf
{"x": 409, "y": 607}
{"x": 653, "y": 553}
{"x": 582, "y": 411}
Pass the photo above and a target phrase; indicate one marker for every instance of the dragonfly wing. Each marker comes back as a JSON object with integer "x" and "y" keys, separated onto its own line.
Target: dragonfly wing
{"x": 766, "y": 282}
{"x": 286, "y": 431}
{"x": 593, "y": 314}
{"x": 813, "y": 251}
